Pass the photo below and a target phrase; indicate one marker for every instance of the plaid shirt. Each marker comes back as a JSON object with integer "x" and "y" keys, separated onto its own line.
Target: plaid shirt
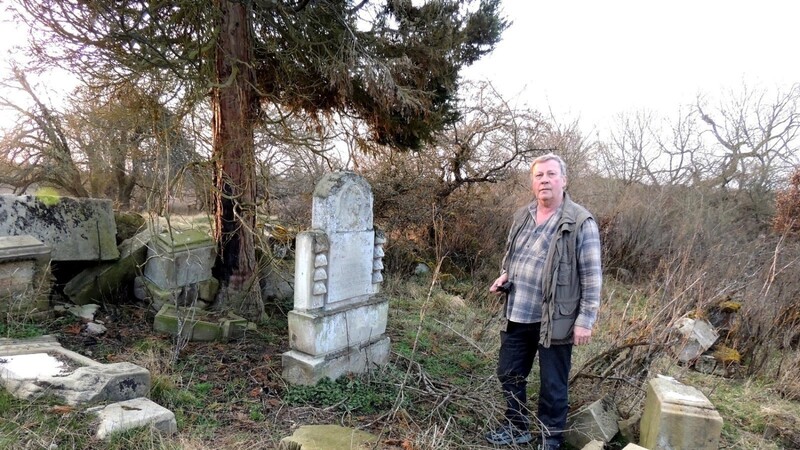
{"x": 526, "y": 260}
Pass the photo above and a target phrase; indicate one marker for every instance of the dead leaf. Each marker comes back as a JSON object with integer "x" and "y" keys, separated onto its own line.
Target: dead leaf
{"x": 62, "y": 409}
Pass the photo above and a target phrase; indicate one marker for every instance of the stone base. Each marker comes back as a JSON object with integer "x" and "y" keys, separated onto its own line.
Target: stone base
{"x": 199, "y": 325}
{"x": 301, "y": 368}
{"x": 321, "y": 332}
{"x": 136, "y": 413}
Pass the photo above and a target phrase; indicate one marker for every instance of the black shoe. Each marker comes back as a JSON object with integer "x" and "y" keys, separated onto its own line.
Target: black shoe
{"x": 508, "y": 435}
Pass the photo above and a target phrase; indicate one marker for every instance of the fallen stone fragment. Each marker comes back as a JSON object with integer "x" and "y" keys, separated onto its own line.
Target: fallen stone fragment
{"x": 328, "y": 437}
{"x": 135, "y": 413}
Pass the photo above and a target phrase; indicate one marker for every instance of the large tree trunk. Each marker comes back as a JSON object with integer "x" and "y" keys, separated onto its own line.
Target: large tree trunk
{"x": 234, "y": 105}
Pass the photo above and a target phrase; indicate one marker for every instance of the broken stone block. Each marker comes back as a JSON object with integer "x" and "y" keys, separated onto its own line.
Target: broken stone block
{"x": 95, "y": 329}
{"x": 135, "y": 413}
{"x": 100, "y": 283}
{"x": 74, "y": 229}
{"x": 41, "y": 366}
{"x": 633, "y": 447}
{"x": 24, "y": 275}
{"x": 597, "y": 421}
{"x": 85, "y": 312}
{"x": 328, "y": 437}
{"x": 629, "y": 428}
{"x": 698, "y": 336}
{"x": 678, "y": 416}
{"x": 180, "y": 258}
{"x": 198, "y": 325}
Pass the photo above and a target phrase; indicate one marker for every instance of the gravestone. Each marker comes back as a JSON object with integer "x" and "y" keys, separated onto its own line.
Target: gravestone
{"x": 74, "y": 229}
{"x": 24, "y": 281}
{"x": 338, "y": 323}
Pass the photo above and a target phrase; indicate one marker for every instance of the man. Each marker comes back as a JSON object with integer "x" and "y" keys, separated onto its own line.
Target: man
{"x": 552, "y": 262}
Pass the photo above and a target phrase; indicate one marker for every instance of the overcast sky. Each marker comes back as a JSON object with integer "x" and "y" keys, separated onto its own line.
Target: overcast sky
{"x": 594, "y": 59}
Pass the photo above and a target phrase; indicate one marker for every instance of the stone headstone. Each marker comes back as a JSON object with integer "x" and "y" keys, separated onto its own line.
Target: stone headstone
{"x": 74, "y": 229}
{"x": 338, "y": 324}
{"x": 677, "y": 416}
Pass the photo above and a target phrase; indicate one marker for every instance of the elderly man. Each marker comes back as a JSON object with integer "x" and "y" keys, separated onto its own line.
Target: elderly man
{"x": 552, "y": 276}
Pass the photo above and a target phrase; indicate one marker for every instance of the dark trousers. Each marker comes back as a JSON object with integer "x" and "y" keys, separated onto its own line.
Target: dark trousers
{"x": 519, "y": 345}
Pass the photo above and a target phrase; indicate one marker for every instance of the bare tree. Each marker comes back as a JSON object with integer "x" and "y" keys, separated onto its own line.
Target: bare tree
{"x": 393, "y": 66}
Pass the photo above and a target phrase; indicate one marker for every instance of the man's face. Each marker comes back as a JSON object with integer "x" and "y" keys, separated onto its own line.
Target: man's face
{"x": 547, "y": 182}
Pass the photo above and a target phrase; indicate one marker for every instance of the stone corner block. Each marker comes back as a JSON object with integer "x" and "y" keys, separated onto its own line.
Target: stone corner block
{"x": 134, "y": 413}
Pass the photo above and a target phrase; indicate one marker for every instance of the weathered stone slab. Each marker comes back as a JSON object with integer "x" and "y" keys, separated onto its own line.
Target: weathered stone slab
{"x": 180, "y": 258}
{"x": 318, "y": 333}
{"x": 198, "y": 325}
{"x": 698, "y": 336}
{"x": 328, "y": 437}
{"x": 350, "y": 263}
{"x": 135, "y": 413}
{"x": 100, "y": 283}
{"x": 74, "y": 229}
{"x": 597, "y": 421}
{"x": 24, "y": 282}
{"x": 301, "y": 368}
{"x": 677, "y": 416}
{"x": 73, "y": 377}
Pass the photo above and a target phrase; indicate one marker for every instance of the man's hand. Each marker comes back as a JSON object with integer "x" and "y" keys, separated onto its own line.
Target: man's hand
{"x": 497, "y": 283}
{"x": 581, "y": 335}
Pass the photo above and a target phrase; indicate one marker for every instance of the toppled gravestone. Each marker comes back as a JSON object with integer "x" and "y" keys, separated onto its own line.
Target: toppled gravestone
{"x": 597, "y": 421}
{"x": 32, "y": 367}
{"x": 328, "y": 437}
{"x": 97, "y": 284}
{"x": 24, "y": 275}
{"x": 74, "y": 229}
{"x": 697, "y": 336}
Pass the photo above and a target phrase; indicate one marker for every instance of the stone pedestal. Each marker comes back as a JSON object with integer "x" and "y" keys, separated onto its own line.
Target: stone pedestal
{"x": 180, "y": 258}
{"x": 24, "y": 275}
{"x": 677, "y": 416}
{"x": 338, "y": 323}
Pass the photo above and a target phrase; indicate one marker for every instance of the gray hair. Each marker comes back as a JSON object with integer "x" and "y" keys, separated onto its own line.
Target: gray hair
{"x": 551, "y": 157}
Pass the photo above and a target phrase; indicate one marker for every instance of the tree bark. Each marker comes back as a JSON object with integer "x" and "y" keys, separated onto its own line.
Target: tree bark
{"x": 234, "y": 105}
